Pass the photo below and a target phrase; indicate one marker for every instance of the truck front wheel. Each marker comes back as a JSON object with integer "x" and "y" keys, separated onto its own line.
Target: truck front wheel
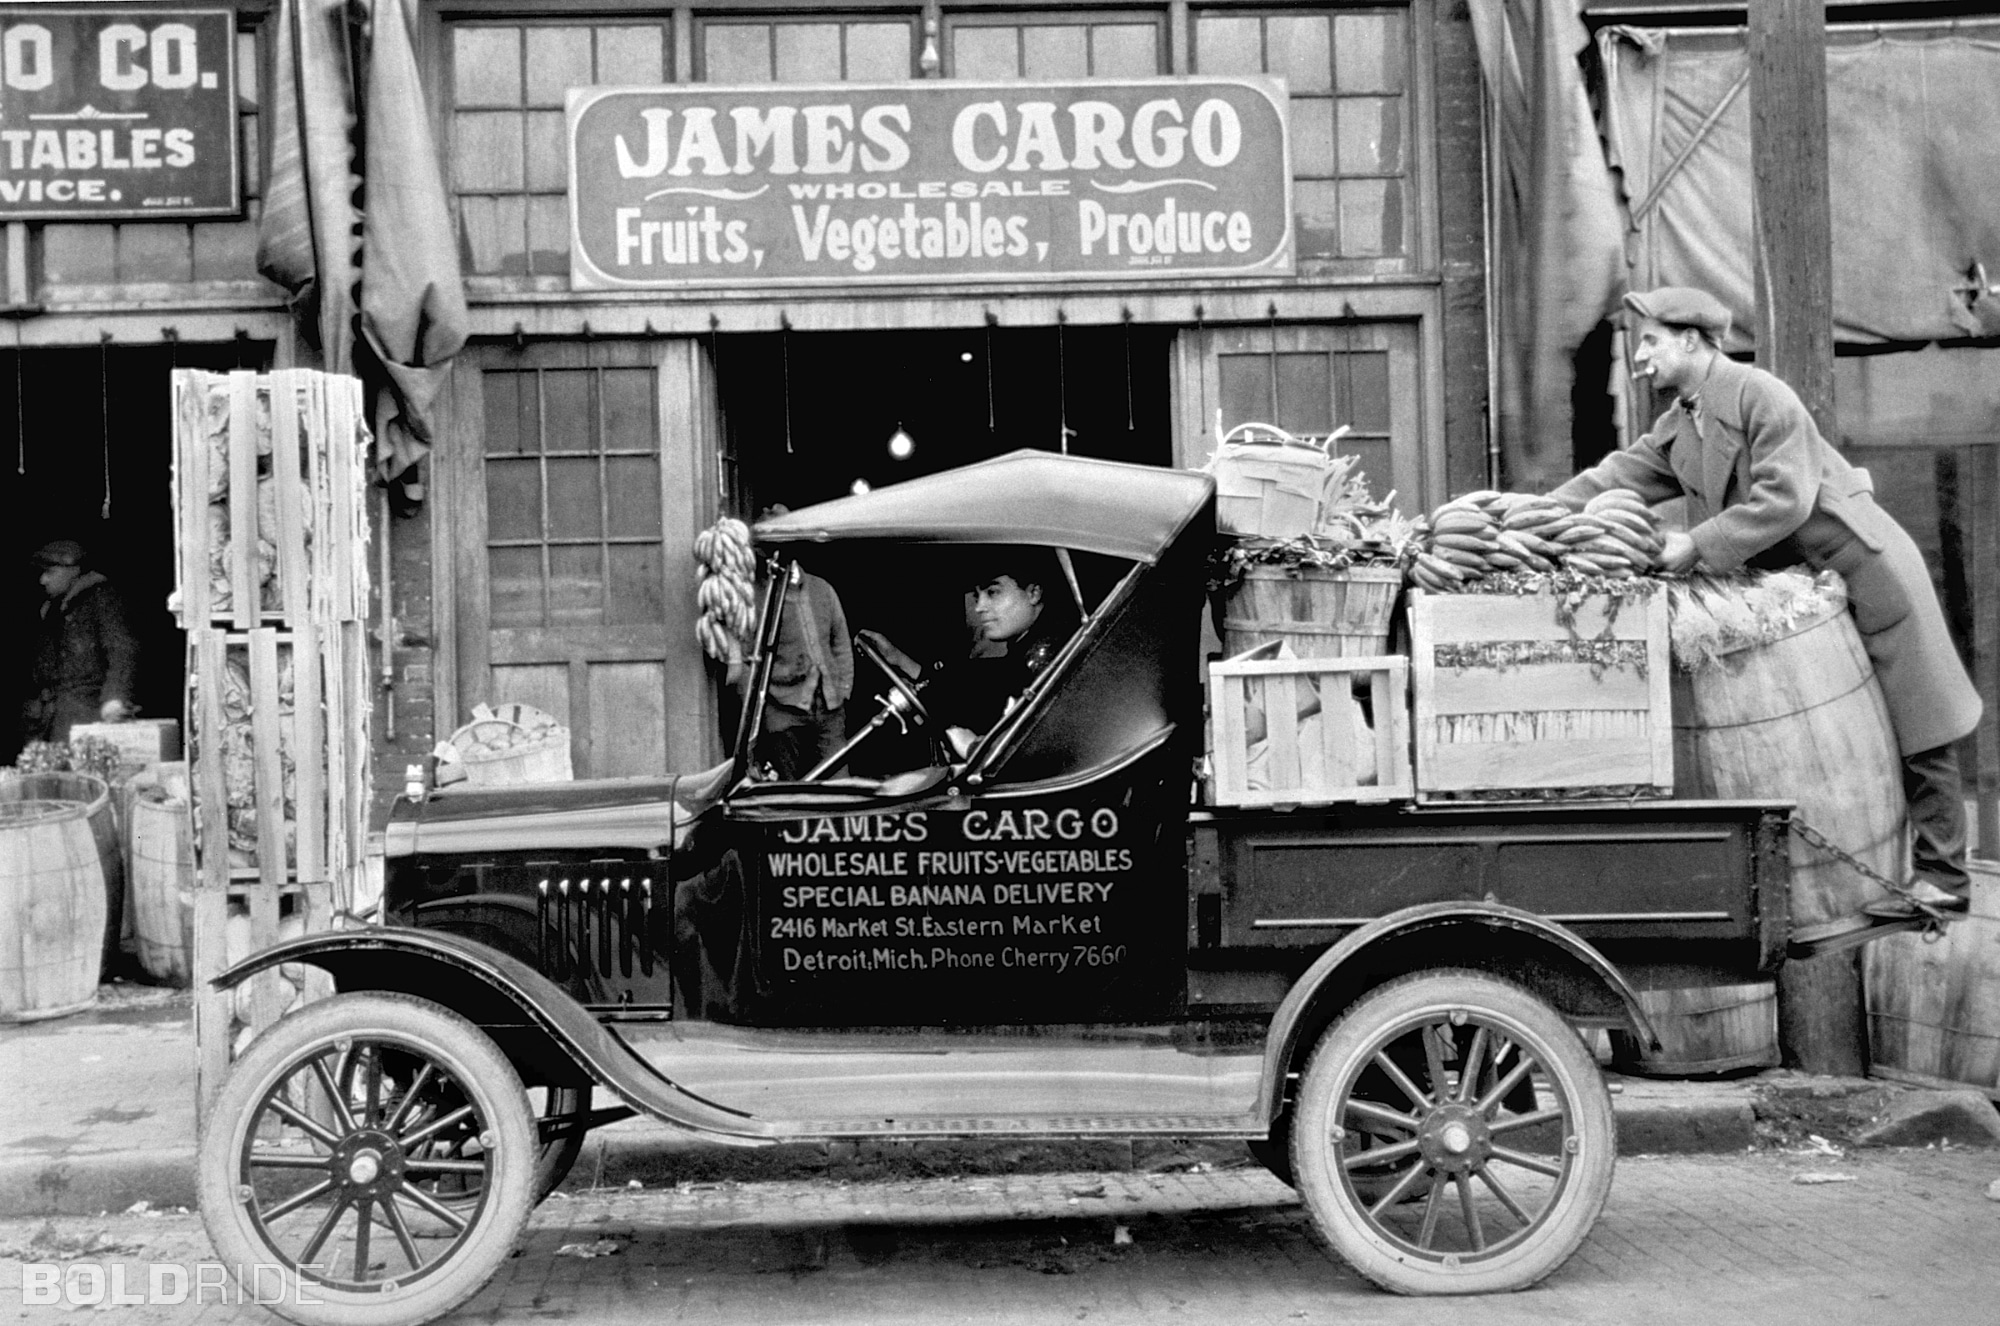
{"x": 319, "y": 1171}
{"x": 1453, "y": 1136}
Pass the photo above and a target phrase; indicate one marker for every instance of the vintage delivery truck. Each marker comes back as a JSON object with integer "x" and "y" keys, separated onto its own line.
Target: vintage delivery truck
{"x": 1048, "y": 936}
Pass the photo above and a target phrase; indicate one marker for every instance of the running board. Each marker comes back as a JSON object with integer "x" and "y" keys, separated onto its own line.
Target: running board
{"x": 927, "y": 1083}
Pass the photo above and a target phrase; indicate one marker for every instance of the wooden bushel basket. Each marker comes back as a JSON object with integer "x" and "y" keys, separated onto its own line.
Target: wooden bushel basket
{"x": 1321, "y": 612}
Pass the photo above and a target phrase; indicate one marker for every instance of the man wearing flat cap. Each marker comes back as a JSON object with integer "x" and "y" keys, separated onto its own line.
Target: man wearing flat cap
{"x": 86, "y": 658}
{"x": 1765, "y": 490}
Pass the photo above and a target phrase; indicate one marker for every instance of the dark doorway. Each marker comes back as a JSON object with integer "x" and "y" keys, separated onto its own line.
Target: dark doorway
{"x": 809, "y": 414}
{"x": 86, "y": 453}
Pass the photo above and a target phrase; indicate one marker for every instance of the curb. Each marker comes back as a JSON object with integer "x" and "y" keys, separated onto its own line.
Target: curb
{"x": 1653, "y": 1122}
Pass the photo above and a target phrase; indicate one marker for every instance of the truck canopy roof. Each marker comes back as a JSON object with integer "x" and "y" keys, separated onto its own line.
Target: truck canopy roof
{"x": 1026, "y": 497}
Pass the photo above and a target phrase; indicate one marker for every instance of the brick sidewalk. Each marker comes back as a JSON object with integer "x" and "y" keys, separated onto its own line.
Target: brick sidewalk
{"x": 1911, "y": 1240}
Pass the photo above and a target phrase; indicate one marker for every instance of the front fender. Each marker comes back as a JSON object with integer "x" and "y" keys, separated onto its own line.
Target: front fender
{"x": 1537, "y": 953}
{"x": 533, "y": 1019}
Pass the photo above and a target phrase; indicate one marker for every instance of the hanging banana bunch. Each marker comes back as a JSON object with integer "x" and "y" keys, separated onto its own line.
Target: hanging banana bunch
{"x": 726, "y": 569}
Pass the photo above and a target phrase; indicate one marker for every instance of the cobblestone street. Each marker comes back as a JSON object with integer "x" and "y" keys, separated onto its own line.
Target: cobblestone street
{"x": 1906, "y": 1237}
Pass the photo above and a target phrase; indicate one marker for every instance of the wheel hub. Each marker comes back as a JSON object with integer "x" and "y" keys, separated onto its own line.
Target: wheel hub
{"x": 1455, "y": 1138}
{"x": 368, "y": 1163}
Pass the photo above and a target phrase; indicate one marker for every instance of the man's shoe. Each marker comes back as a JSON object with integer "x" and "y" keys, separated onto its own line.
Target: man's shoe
{"x": 1923, "y": 899}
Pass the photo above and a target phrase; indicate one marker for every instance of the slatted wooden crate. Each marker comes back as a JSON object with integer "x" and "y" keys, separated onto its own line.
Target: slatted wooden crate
{"x": 270, "y": 474}
{"x": 1321, "y": 744}
{"x": 1516, "y": 694}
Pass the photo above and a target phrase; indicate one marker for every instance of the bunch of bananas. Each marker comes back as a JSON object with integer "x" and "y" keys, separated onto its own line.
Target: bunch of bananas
{"x": 1464, "y": 538}
{"x": 726, "y": 592}
{"x": 1616, "y": 534}
{"x": 1487, "y": 533}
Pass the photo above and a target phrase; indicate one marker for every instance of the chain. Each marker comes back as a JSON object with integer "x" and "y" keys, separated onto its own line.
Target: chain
{"x": 1813, "y": 838}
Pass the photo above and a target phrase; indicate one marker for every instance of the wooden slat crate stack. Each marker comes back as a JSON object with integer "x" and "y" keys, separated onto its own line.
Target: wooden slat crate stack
{"x": 270, "y": 482}
{"x": 1519, "y": 694}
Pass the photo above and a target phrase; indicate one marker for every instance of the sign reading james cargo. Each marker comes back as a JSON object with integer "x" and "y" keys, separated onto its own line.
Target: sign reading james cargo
{"x": 117, "y": 113}
{"x": 928, "y": 182}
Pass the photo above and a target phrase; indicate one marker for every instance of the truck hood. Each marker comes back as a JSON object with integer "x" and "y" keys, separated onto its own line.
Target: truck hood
{"x": 649, "y": 813}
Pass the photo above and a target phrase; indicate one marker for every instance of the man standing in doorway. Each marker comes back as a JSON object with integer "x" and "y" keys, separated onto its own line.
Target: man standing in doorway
{"x": 86, "y": 658}
{"x": 1765, "y": 490}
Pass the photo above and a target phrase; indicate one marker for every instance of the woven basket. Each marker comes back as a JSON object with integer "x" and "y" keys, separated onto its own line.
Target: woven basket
{"x": 498, "y": 752}
{"x": 1321, "y": 612}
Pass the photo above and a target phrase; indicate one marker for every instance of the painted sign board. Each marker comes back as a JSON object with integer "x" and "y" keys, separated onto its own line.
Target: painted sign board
{"x": 117, "y": 114}
{"x": 928, "y": 182}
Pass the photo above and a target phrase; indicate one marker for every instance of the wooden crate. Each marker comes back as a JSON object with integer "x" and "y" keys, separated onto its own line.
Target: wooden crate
{"x": 270, "y": 487}
{"x": 1513, "y": 695}
{"x": 1330, "y": 754}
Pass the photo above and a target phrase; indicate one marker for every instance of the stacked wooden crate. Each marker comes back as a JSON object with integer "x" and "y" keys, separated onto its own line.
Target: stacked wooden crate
{"x": 1542, "y": 694}
{"x": 270, "y": 482}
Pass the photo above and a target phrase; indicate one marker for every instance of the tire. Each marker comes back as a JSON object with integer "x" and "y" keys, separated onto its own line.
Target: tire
{"x": 312, "y": 1161}
{"x": 557, "y": 1157}
{"x": 1408, "y": 1188}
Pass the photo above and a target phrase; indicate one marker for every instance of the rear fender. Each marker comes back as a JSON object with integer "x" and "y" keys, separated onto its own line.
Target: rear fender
{"x": 1561, "y": 969}
{"x": 547, "y": 1035}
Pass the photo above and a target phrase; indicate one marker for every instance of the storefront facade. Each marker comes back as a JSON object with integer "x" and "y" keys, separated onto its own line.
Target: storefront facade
{"x": 589, "y": 433}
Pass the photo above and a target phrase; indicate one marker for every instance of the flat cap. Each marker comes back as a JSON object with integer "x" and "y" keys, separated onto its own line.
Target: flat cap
{"x": 62, "y": 552}
{"x": 1682, "y": 306}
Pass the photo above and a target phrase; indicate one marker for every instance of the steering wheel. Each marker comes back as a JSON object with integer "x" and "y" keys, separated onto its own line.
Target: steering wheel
{"x": 903, "y": 699}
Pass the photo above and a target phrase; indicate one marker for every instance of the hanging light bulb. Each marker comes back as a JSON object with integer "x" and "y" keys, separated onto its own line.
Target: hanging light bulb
{"x": 860, "y": 488}
{"x": 901, "y": 445}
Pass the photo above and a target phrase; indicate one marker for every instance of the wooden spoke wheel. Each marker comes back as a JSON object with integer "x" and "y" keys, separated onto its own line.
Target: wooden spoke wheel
{"x": 1453, "y": 1136}
{"x": 376, "y": 1150}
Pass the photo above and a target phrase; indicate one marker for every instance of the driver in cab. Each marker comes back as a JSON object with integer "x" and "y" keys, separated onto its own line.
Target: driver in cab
{"x": 1018, "y": 626}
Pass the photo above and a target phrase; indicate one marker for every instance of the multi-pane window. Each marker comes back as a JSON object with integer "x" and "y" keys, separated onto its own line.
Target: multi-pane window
{"x": 1348, "y": 73}
{"x": 805, "y": 50}
{"x": 1311, "y": 392}
{"x": 509, "y": 157}
{"x": 573, "y": 497}
{"x": 1055, "y": 44}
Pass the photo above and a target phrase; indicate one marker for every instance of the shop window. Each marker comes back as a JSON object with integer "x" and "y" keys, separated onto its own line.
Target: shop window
{"x": 1055, "y": 44}
{"x": 87, "y": 254}
{"x": 573, "y": 498}
{"x": 1348, "y": 74}
{"x": 820, "y": 49}
{"x": 509, "y": 154}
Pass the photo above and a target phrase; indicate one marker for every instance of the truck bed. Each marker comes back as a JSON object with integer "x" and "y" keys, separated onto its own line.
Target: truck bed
{"x": 1700, "y": 882}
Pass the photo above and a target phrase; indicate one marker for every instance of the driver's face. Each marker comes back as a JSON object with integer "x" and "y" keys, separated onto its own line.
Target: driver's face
{"x": 1002, "y": 609}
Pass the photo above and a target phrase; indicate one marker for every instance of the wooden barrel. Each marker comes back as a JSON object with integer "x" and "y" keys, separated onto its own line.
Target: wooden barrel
{"x": 94, "y": 794}
{"x": 163, "y": 887}
{"x": 52, "y": 905}
{"x": 1800, "y": 718}
{"x": 1706, "y": 1028}
{"x": 1934, "y": 1009}
{"x": 1320, "y": 611}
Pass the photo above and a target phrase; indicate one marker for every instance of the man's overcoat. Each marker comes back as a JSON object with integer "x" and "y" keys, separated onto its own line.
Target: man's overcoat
{"x": 1764, "y": 489}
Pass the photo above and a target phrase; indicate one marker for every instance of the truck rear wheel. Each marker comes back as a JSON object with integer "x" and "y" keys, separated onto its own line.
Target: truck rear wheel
{"x": 1453, "y": 1136}
{"x": 317, "y": 1169}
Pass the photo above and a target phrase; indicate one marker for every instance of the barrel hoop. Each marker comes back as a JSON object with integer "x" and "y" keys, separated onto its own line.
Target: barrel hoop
{"x": 1773, "y": 718}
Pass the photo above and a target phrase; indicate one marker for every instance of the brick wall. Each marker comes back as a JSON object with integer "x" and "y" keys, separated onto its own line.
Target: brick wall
{"x": 417, "y": 722}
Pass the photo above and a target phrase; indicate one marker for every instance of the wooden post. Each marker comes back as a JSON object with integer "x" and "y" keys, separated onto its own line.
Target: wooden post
{"x": 1821, "y": 1020}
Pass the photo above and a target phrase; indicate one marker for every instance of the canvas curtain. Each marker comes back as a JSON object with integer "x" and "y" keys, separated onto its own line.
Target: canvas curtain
{"x": 1914, "y": 173}
{"x": 411, "y": 302}
{"x": 1557, "y": 249}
